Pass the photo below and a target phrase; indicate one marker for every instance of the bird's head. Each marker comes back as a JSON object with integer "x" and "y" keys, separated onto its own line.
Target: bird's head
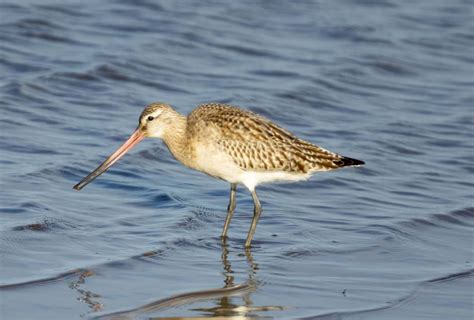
{"x": 154, "y": 121}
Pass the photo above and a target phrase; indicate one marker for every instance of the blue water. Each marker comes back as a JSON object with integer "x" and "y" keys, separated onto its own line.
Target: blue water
{"x": 389, "y": 82}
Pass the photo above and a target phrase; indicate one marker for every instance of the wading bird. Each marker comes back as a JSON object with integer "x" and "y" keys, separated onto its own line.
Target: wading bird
{"x": 231, "y": 144}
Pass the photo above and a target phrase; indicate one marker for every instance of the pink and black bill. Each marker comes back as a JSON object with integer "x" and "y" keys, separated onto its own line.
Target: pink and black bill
{"x": 134, "y": 139}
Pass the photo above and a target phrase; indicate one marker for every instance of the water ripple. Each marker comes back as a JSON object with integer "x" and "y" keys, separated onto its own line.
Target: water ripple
{"x": 376, "y": 80}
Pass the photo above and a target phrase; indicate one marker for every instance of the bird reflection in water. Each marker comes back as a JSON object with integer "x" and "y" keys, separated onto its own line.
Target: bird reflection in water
{"x": 225, "y": 307}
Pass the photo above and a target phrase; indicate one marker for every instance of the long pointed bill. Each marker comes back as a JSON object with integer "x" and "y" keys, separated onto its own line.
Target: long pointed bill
{"x": 134, "y": 139}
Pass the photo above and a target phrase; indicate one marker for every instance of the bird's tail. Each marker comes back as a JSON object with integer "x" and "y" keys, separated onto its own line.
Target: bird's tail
{"x": 348, "y": 162}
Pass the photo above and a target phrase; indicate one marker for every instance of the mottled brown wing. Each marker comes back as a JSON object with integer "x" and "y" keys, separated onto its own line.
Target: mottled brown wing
{"x": 255, "y": 143}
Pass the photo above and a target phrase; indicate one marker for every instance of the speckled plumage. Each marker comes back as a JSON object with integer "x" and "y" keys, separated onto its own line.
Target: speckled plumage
{"x": 256, "y": 143}
{"x": 231, "y": 144}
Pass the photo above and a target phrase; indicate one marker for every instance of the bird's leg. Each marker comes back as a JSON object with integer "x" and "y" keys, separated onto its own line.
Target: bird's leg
{"x": 230, "y": 209}
{"x": 257, "y": 210}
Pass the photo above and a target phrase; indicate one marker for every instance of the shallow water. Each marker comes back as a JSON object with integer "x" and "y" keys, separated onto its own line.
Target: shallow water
{"x": 382, "y": 81}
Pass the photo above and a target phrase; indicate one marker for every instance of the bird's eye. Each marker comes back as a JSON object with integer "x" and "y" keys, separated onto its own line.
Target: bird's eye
{"x": 150, "y": 118}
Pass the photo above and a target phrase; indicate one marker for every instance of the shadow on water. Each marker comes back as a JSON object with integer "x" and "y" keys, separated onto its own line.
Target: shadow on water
{"x": 224, "y": 306}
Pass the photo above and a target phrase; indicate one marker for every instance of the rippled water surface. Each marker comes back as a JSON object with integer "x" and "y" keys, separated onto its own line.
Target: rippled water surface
{"x": 388, "y": 82}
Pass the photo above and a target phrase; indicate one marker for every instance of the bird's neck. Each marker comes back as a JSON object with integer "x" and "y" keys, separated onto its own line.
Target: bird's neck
{"x": 175, "y": 138}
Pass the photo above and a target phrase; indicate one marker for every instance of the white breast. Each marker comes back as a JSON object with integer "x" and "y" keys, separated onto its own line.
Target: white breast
{"x": 211, "y": 160}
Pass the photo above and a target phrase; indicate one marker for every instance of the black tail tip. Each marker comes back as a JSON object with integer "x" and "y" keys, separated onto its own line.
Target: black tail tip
{"x": 348, "y": 162}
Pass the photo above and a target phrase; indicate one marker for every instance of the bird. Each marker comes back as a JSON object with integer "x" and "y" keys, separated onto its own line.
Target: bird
{"x": 231, "y": 144}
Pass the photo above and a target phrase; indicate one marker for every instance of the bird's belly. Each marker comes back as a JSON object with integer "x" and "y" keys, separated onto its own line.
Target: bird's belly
{"x": 209, "y": 159}
{"x": 218, "y": 164}
{"x": 253, "y": 178}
